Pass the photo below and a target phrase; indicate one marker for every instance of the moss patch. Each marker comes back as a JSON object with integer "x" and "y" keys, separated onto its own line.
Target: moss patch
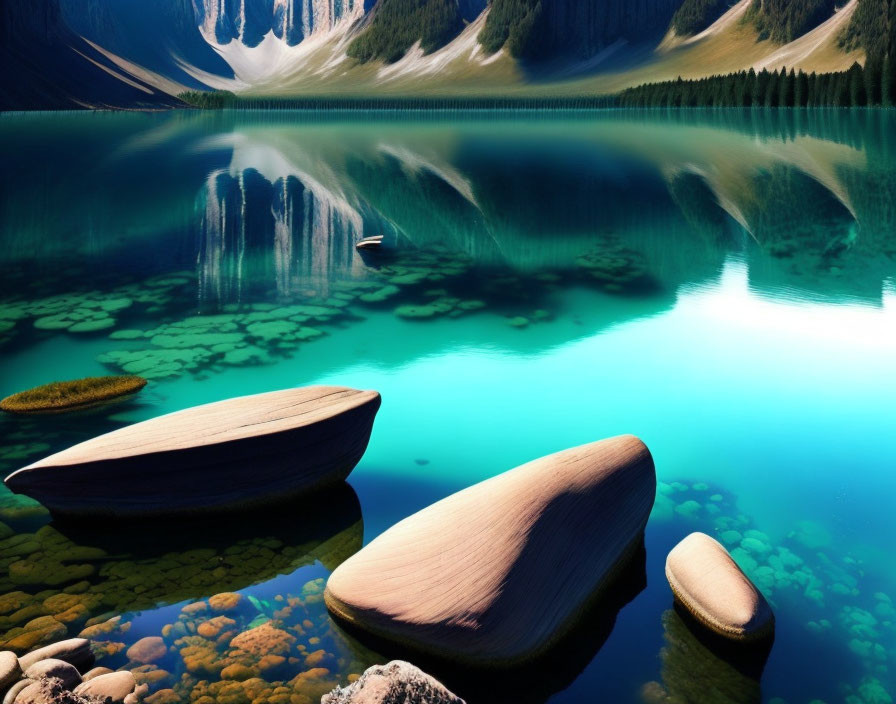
{"x": 63, "y": 396}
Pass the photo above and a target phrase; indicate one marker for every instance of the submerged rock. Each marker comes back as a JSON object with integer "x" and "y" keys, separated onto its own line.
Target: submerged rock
{"x": 709, "y": 584}
{"x": 698, "y": 670}
{"x": 497, "y": 572}
{"x": 147, "y": 650}
{"x": 396, "y": 682}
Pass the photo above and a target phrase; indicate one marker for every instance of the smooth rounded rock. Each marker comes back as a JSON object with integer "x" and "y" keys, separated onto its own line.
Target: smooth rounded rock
{"x": 96, "y": 672}
{"x": 9, "y": 669}
{"x": 396, "y": 682}
{"x": 148, "y": 650}
{"x": 710, "y": 585}
{"x": 196, "y": 459}
{"x": 61, "y": 670}
{"x": 498, "y": 572}
{"x": 75, "y": 651}
{"x": 113, "y": 687}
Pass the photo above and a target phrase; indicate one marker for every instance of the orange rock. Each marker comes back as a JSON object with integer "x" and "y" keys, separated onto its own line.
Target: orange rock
{"x": 269, "y": 662}
{"x": 238, "y": 672}
{"x": 264, "y": 640}
{"x": 316, "y": 658}
{"x": 213, "y": 627}
{"x": 196, "y": 607}
{"x": 226, "y": 601}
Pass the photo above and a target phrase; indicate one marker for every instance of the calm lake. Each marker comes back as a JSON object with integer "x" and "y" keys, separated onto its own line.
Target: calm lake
{"x": 720, "y": 283}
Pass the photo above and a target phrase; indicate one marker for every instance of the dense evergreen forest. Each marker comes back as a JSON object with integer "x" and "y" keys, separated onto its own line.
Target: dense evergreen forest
{"x": 396, "y": 25}
{"x": 853, "y": 88}
{"x": 511, "y": 22}
{"x": 696, "y": 15}
{"x": 785, "y": 20}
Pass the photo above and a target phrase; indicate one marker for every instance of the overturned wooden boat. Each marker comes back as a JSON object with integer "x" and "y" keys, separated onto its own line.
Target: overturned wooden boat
{"x": 238, "y": 452}
{"x": 496, "y": 574}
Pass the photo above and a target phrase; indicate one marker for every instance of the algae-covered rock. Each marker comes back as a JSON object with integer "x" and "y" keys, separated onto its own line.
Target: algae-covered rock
{"x": 695, "y": 671}
{"x": 72, "y": 395}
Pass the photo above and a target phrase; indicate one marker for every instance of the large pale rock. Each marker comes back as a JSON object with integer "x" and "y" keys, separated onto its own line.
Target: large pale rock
{"x": 112, "y": 687}
{"x": 59, "y": 669}
{"x": 238, "y": 452}
{"x": 396, "y": 682}
{"x": 709, "y": 584}
{"x": 498, "y": 572}
{"x": 75, "y": 651}
{"x": 9, "y": 669}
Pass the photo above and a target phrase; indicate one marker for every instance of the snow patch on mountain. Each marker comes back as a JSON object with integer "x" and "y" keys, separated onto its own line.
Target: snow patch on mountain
{"x": 276, "y": 57}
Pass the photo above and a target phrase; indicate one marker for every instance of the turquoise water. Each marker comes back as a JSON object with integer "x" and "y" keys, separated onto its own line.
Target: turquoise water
{"x": 719, "y": 283}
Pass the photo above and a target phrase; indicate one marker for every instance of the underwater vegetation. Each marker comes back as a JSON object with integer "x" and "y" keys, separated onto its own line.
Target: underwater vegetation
{"x": 416, "y": 284}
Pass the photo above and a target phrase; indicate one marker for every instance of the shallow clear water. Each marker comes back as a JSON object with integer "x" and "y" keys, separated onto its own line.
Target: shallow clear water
{"x": 719, "y": 283}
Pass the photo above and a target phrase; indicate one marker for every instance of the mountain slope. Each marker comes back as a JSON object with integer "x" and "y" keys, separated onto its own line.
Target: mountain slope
{"x": 46, "y": 65}
{"x": 133, "y": 53}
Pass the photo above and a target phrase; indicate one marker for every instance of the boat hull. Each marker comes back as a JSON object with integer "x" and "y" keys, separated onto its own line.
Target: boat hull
{"x": 207, "y": 475}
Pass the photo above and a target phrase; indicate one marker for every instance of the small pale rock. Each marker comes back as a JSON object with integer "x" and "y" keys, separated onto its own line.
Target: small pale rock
{"x": 96, "y": 672}
{"x": 75, "y": 651}
{"x": 13, "y": 691}
{"x": 114, "y": 686}
{"x": 709, "y": 584}
{"x": 138, "y": 695}
{"x": 51, "y": 667}
{"x": 148, "y": 650}
{"x": 51, "y": 691}
{"x": 9, "y": 669}
{"x": 396, "y": 682}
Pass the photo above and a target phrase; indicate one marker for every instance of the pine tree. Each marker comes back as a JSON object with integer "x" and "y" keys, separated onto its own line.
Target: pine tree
{"x": 787, "y": 89}
{"x": 873, "y": 70}
{"x": 856, "y": 85}
{"x": 886, "y": 82}
{"x": 772, "y": 90}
